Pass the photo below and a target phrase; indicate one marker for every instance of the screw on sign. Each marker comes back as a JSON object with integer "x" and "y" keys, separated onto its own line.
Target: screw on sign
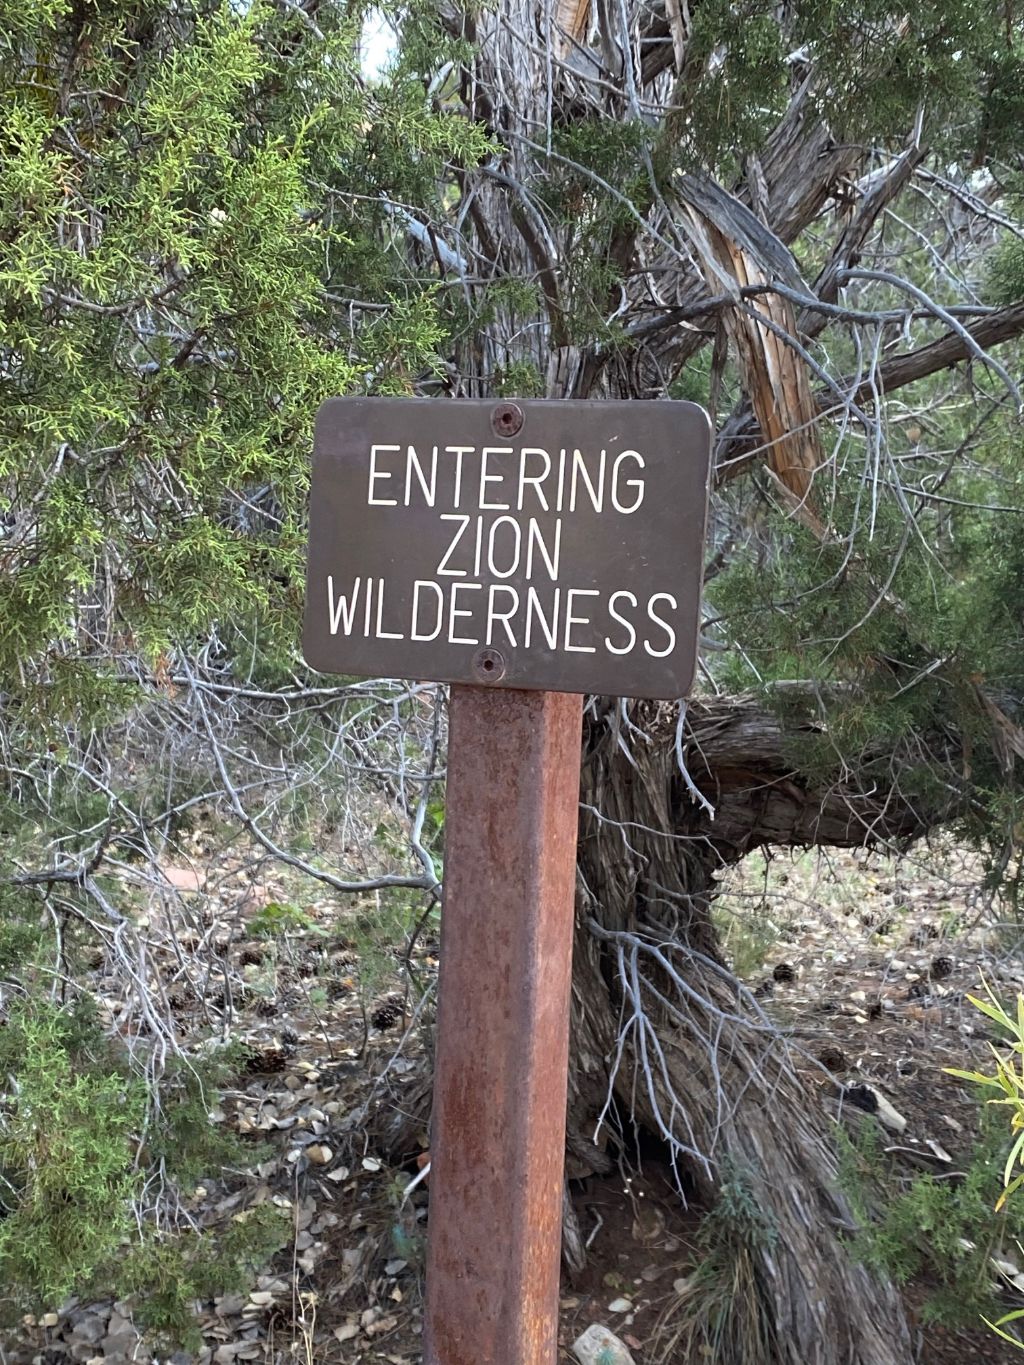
{"x": 527, "y": 553}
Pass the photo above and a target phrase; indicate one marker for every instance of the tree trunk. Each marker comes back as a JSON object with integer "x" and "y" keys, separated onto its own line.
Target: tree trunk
{"x": 663, "y": 1032}
{"x": 666, "y": 1036}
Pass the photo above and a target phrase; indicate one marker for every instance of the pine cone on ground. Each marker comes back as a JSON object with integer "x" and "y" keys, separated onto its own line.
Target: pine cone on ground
{"x": 923, "y": 935}
{"x": 263, "y": 1061}
{"x": 862, "y": 1097}
{"x": 941, "y": 968}
{"x": 387, "y": 1015}
{"x": 784, "y": 972}
{"x": 833, "y": 1057}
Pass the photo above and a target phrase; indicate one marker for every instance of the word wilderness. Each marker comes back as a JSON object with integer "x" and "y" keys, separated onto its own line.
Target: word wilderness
{"x": 566, "y": 556}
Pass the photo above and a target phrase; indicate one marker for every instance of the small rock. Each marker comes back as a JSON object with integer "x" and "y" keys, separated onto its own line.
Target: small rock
{"x": 89, "y": 1329}
{"x": 620, "y": 1306}
{"x": 891, "y": 1117}
{"x": 598, "y": 1346}
{"x": 120, "y": 1349}
{"x": 49, "y": 1320}
{"x": 319, "y": 1153}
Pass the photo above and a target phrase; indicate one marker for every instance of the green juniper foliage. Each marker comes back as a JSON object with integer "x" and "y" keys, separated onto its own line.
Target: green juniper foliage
{"x": 190, "y": 193}
{"x": 70, "y": 1128}
{"x": 79, "y": 1134}
{"x": 207, "y": 218}
{"x": 898, "y": 625}
{"x": 947, "y": 1230}
{"x": 199, "y": 202}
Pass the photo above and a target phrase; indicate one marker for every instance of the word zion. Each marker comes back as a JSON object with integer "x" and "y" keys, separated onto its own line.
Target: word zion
{"x": 507, "y": 512}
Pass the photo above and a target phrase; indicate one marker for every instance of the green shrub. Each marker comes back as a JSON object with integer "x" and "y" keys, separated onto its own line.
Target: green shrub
{"x": 945, "y": 1229}
{"x": 165, "y": 1276}
{"x": 69, "y": 1134}
{"x": 1008, "y": 1082}
{"x": 80, "y": 1134}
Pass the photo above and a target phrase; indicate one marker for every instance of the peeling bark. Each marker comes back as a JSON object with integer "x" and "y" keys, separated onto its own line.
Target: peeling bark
{"x": 661, "y": 1027}
{"x": 664, "y": 1035}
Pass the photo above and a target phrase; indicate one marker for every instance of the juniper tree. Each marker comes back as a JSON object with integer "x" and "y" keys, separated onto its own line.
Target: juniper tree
{"x": 202, "y": 218}
{"x": 805, "y": 217}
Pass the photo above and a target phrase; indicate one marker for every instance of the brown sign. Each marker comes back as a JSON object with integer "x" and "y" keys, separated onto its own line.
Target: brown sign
{"x": 541, "y": 545}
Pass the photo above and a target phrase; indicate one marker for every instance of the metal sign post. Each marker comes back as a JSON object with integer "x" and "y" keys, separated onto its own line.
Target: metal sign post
{"x": 526, "y": 553}
{"x": 497, "y": 1146}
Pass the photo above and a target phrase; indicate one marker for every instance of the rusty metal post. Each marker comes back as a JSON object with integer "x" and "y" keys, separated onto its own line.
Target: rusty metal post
{"x": 498, "y": 1129}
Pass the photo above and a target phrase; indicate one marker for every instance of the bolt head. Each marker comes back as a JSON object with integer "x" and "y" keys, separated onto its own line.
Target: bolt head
{"x": 488, "y": 665}
{"x": 507, "y": 419}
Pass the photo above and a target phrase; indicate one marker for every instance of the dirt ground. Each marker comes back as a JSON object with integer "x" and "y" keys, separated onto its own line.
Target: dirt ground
{"x": 864, "y": 963}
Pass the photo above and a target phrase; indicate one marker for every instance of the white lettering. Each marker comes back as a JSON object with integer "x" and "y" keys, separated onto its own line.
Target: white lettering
{"x": 369, "y": 604}
{"x": 434, "y": 588}
{"x": 383, "y": 634}
{"x": 493, "y": 615}
{"x": 658, "y": 620}
{"x": 534, "y": 536}
{"x": 614, "y": 649}
{"x": 559, "y": 504}
{"x": 453, "y": 611}
{"x": 412, "y": 462}
{"x": 517, "y": 539}
{"x": 535, "y": 480}
{"x": 571, "y": 620}
{"x": 342, "y": 611}
{"x": 579, "y": 466}
{"x": 463, "y": 521}
{"x": 458, "y": 452}
{"x": 638, "y": 484}
{"x": 550, "y": 629}
{"x": 377, "y": 474}
{"x": 486, "y": 478}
